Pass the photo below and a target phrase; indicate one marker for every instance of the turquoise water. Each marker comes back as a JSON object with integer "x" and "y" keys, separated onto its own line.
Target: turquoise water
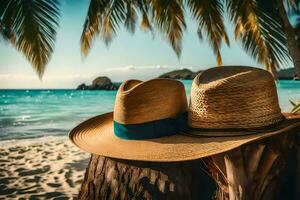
{"x": 38, "y": 113}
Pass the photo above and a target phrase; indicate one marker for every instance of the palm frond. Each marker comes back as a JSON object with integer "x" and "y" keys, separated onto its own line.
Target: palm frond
{"x": 209, "y": 16}
{"x": 104, "y": 18}
{"x": 113, "y": 16}
{"x": 261, "y": 35}
{"x": 293, "y": 103}
{"x": 296, "y": 107}
{"x": 7, "y": 34}
{"x": 143, "y": 7}
{"x": 131, "y": 16}
{"x": 92, "y": 24}
{"x": 7, "y": 14}
{"x": 168, "y": 17}
{"x": 34, "y": 24}
{"x": 293, "y": 3}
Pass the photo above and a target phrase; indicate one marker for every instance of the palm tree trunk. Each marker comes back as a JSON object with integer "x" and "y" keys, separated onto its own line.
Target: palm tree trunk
{"x": 255, "y": 171}
{"x": 291, "y": 38}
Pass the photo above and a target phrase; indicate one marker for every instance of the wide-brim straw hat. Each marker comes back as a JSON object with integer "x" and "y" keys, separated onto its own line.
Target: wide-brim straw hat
{"x": 159, "y": 99}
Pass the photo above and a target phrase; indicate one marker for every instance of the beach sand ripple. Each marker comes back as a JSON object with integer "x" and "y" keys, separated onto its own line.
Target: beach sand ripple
{"x": 41, "y": 169}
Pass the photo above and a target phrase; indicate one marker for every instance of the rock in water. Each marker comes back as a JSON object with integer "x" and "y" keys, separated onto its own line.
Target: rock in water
{"x": 82, "y": 86}
{"x": 99, "y": 83}
{"x": 103, "y": 83}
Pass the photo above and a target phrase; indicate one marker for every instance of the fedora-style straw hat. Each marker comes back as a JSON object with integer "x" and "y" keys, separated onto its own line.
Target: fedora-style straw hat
{"x": 233, "y": 105}
{"x": 144, "y": 125}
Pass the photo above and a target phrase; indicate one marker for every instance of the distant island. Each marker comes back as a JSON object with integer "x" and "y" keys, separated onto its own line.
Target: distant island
{"x": 99, "y": 83}
{"x": 186, "y": 74}
{"x": 104, "y": 83}
{"x": 182, "y": 74}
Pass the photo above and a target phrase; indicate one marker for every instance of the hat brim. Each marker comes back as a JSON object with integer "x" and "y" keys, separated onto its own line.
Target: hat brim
{"x": 96, "y": 136}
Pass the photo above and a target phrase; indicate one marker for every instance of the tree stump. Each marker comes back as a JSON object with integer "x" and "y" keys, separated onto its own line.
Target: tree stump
{"x": 266, "y": 169}
{"x": 258, "y": 170}
{"x": 108, "y": 178}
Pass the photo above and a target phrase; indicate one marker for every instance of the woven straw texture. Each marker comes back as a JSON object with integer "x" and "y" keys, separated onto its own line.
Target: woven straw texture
{"x": 233, "y": 97}
{"x": 139, "y": 102}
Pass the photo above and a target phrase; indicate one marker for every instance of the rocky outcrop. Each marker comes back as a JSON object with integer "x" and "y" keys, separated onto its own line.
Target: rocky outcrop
{"x": 183, "y": 74}
{"x": 99, "y": 83}
{"x": 286, "y": 74}
{"x": 82, "y": 86}
{"x": 186, "y": 74}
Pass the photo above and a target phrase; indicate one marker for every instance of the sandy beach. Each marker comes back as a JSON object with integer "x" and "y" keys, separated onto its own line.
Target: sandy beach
{"x": 45, "y": 168}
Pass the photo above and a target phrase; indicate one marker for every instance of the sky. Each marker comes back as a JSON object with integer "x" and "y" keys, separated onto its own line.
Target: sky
{"x": 140, "y": 56}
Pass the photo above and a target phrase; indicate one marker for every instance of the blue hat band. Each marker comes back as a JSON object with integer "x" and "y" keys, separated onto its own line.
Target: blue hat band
{"x": 153, "y": 129}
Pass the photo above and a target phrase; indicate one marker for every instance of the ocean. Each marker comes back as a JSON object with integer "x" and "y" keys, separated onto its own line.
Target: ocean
{"x": 40, "y": 113}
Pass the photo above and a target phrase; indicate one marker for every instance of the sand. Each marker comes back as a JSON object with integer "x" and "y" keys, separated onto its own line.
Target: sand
{"x": 46, "y": 168}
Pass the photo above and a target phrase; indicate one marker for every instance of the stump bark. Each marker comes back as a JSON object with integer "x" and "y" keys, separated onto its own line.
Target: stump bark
{"x": 260, "y": 170}
{"x": 108, "y": 178}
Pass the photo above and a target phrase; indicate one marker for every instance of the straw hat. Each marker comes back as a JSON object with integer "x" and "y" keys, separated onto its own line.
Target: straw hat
{"x": 236, "y": 101}
{"x": 149, "y": 115}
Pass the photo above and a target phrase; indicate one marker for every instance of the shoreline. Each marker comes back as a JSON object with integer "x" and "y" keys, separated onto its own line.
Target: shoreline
{"x": 45, "y": 167}
{"x": 22, "y": 142}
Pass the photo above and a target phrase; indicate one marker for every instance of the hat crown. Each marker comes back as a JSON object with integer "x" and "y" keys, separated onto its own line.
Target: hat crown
{"x": 139, "y": 102}
{"x": 233, "y": 97}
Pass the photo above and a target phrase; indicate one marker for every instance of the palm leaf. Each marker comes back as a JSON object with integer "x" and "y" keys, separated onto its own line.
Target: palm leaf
{"x": 131, "y": 16}
{"x": 112, "y": 17}
{"x": 293, "y": 103}
{"x": 92, "y": 24}
{"x": 296, "y": 107}
{"x": 6, "y": 21}
{"x": 168, "y": 18}
{"x": 7, "y": 34}
{"x": 209, "y": 16}
{"x": 105, "y": 17}
{"x": 261, "y": 35}
{"x": 144, "y": 8}
{"x": 293, "y": 3}
{"x": 34, "y": 24}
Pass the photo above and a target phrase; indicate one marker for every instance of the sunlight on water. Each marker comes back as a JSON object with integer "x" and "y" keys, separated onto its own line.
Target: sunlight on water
{"x": 38, "y": 113}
